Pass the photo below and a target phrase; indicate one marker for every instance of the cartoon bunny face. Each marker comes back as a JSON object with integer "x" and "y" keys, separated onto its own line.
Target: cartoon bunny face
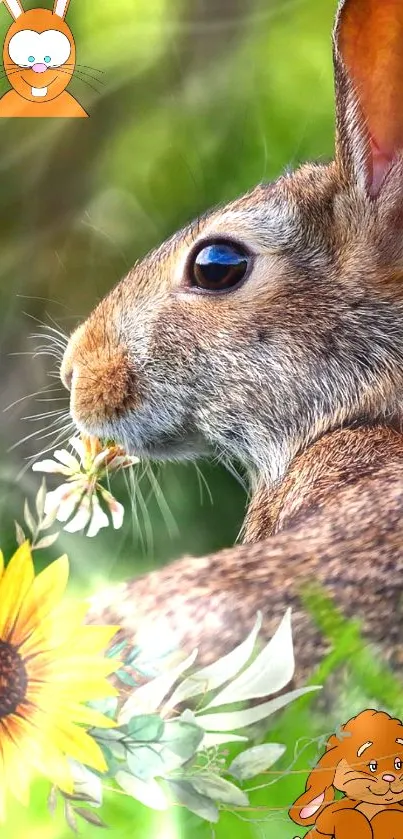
{"x": 365, "y": 762}
{"x": 371, "y": 769}
{"x": 39, "y": 55}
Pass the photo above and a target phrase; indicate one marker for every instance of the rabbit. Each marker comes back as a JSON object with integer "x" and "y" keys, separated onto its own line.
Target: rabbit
{"x": 364, "y": 762}
{"x": 271, "y": 331}
{"x": 39, "y": 57}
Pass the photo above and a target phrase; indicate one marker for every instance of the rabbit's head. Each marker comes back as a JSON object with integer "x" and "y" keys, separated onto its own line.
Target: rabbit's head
{"x": 365, "y": 762}
{"x": 39, "y": 51}
{"x": 279, "y": 317}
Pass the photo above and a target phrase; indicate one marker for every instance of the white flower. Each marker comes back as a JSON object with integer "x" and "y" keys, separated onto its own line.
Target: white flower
{"x": 77, "y": 500}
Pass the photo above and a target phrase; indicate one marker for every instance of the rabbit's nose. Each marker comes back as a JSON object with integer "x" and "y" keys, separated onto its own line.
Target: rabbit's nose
{"x": 389, "y": 778}
{"x": 39, "y": 68}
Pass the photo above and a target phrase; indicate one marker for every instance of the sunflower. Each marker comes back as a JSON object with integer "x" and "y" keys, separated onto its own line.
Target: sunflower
{"x": 50, "y": 664}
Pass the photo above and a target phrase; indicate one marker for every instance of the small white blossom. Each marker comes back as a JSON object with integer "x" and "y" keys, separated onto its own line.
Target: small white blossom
{"x": 77, "y": 500}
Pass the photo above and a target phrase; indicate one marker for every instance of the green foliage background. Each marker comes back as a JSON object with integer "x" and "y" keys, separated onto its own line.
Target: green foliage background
{"x": 197, "y": 101}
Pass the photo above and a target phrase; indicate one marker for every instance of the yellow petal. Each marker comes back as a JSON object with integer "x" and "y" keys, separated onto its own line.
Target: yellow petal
{"x": 83, "y": 690}
{"x": 74, "y": 741}
{"x": 40, "y": 752}
{"x": 18, "y": 775}
{"x": 55, "y": 629}
{"x": 3, "y": 775}
{"x": 70, "y": 669}
{"x": 14, "y": 585}
{"x": 85, "y": 715}
{"x": 46, "y": 591}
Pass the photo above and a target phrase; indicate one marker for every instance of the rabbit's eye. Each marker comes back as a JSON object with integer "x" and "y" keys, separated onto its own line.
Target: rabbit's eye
{"x": 398, "y": 763}
{"x": 373, "y": 765}
{"x": 218, "y": 267}
{"x": 31, "y": 58}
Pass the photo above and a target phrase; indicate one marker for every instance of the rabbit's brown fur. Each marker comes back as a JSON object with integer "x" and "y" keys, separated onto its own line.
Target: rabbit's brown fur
{"x": 365, "y": 762}
{"x": 298, "y": 372}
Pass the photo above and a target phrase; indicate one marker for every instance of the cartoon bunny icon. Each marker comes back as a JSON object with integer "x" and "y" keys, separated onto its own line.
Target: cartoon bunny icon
{"x": 365, "y": 762}
{"x": 39, "y": 57}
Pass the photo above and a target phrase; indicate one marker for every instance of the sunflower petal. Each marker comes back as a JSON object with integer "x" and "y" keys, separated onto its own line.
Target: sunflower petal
{"x": 14, "y": 585}
{"x": 57, "y": 628}
{"x": 74, "y": 741}
{"x": 39, "y": 750}
{"x": 46, "y": 591}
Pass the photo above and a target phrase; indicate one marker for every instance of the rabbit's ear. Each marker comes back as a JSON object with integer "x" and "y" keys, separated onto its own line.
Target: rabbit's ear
{"x": 60, "y": 7}
{"x": 368, "y": 60}
{"x": 319, "y": 790}
{"x": 14, "y": 7}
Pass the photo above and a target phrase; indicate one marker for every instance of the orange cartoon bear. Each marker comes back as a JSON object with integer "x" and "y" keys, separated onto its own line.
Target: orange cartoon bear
{"x": 39, "y": 57}
{"x": 365, "y": 763}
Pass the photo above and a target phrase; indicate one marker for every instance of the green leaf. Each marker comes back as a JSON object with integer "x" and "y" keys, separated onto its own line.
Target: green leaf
{"x": 151, "y": 794}
{"x": 19, "y": 534}
{"x": 52, "y": 800}
{"x": 199, "y": 804}
{"x": 218, "y": 789}
{"x": 126, "y": 678}
{"x": 116, "y": 649}
{"x": 146, "y": 728}
{"x": 255, "y": 760}
{"x": 70, "y": 817}
{"x": 145, "y": 762}
{"x": 40, "y": 500}
{"x": 46, "y": 542}
{"x": 150, "y": 696}
{"x": 182, "y": 738}
{"x": 269, "y": 673}
{"x": 86, "y": 783}
{"x": 48, "y": 521}
{"x": 90, "y": 817}
{"x": 232, "y": 720}
{"x": 107, "y": 706}
{"x": 29, "y": 519}
{"x": 216, "y": 674}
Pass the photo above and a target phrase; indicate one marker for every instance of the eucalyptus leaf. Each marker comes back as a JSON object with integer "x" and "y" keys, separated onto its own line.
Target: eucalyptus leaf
{"x": 40, "y": 500}
{"x": 70, "y": 817}
{"x": 146, "y": 728}
{"x": 214, "y": 738}
{"x": 182, "y": 738}
{"x": 232, "y": 720}
{"x": 151, "y": 794}
{"x": 107, "y": 706}
{"x": 149, "y": 697}
{"x": 218, "y": 789}
{"x": 116, "y": 649}
{"x": 48, "y": 521}
{"x": 126, "y": 678}
{"x": 269, "y": 673}
{"x": 216, "y": 674}
{"x": 52, "y": 800}
{"x": 86, "y": 783}
{"x": 90, "y": 817}
{"x": 29, "y": 519}
{"x": 47, "y": 541}
{"x": 251, "y": 762}
{"x": 201, "y": 805}
{"x": 145, "y": 762}
{"x": 19, "y": 534}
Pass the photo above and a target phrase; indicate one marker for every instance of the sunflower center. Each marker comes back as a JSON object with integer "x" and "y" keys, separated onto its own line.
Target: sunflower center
{"x": 13, "y": 679}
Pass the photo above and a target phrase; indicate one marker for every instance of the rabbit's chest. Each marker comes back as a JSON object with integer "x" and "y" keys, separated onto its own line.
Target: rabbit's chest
{"x": 370, "y": 810}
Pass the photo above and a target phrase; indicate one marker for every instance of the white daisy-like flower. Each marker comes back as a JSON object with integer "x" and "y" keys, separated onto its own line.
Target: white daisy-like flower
{"x": 78, "y": 499}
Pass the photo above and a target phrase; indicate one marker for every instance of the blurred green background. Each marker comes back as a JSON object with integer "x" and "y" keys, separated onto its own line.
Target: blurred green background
{"x": 191, "y": 102}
